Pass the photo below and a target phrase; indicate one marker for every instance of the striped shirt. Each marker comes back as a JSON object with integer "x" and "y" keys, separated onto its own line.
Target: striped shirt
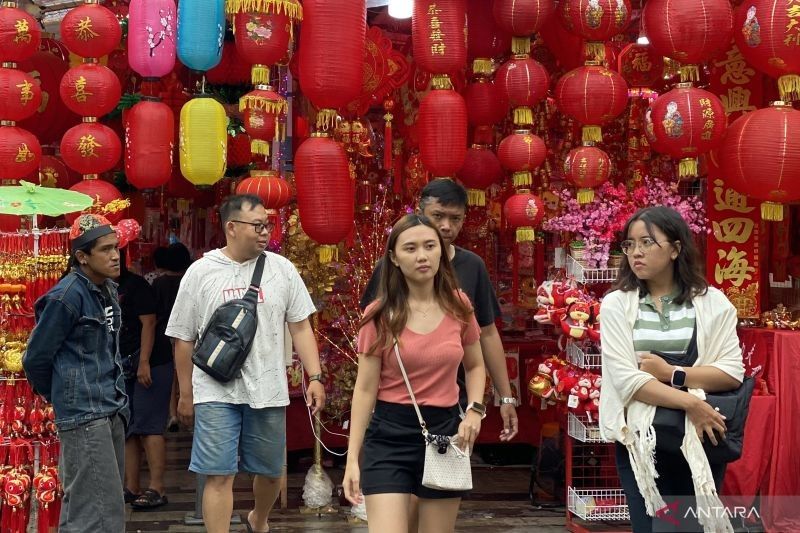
{"x": 669, "y": 331}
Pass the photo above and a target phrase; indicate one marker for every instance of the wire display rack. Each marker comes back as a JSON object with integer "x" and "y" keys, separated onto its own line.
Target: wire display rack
{"x": 598, "y": 505}
{"x": 581, "y": 428}
{"x": 590, "y": 275}
{"x": 582, "y": 359}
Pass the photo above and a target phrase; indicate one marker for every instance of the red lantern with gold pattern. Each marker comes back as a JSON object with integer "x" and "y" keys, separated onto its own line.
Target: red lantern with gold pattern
{"x": 687, "y": 122}
{"x": 759, "y": 156}
{"x": 486, "y": 103}
{"x": 592, "y": 95}
{"x": 90, "y": 30}
{"x": 596, "y": 21}
{"x": 485, "y": 39}
{"x": 90, "y": 148}
{"x": 325, "y": 193}
{"x": 523, "y": 82}
{"x": 52, "y": 118}
{"x": 522, "y": 152}
{"x": 20, "y": 95}
{"x": 437, "y": 33}
{"x": 108, "y": 201}
{"x": 524, "y": 212}
{"x": 442, "y": 122}
{"x": 20, "y": 152}
{"x": 149, "y": 143}
{"x": 587, "y": 167}
{"x": 481, "y": 169}
{"x": 53, "y": 173}
{"x": 262, "y": 40}
{"x": 262, "y": 109}
{"x": 20, "y": 34}
{"x": 521, "y": 18}
{"x": 273, "y": 191}
{"x": 90, "y": 90}
{"x": 640, "y": 65}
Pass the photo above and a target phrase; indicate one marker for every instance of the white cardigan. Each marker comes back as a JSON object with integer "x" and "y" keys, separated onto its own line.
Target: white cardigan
{"x": 629, "y": 421}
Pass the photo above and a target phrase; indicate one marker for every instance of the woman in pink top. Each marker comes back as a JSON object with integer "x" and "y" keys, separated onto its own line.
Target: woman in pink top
{"x": 420, "y": 305}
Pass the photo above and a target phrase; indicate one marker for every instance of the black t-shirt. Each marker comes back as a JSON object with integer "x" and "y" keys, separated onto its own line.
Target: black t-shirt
{"x": 166, "y": 291}
{"x": 136, "y": 298}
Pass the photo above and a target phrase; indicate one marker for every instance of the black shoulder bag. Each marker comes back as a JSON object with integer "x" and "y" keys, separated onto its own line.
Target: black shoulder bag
{"x": 227, "y": 338}
{"x": 670, "y": 424}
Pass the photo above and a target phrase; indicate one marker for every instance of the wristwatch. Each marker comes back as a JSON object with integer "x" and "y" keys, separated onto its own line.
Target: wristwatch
{"x": 678, "y": 377}
{"x": 508, "y": 400}
{"x": 316, "y": 377}
{"x": 478, "y": 408}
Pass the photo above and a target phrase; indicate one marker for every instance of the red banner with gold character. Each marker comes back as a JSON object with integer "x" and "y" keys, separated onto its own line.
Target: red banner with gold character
{"x": 733, "y": 263}
{"x": 738, "y": 85}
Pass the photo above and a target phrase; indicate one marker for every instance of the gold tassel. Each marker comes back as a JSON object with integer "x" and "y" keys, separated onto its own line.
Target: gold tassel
{"x": 483, "y": 66}
{"x": 441, "y": 82}
{"x": 259, "y": 147}
{"x": 595, "y": 50}
{"x": 523, "y": 179}
{"x": 277, "y": 136}
{"x": 789, "y": 87}
{"x": 521, "y": 45}
{"x": 771, "y": 211}
{"x": 523, "y": 116}
{"x": 259, "y": 74}
{"x": 326, "y": 119}
{"x": 476, "y": 197}
{"x": 260, "y": 103}
{"x": 292, "y": 8}
{"x": 592, "y": 134}
{"x": 689, "y": 73}
{"x": 525, "y": 234}
{"x": 687, "y": 168}
{"x": 328, "y": 253}
{"x": 585, "y": 196}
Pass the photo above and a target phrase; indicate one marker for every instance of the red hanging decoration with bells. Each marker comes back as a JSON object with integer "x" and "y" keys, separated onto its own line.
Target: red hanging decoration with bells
{"x": 20, "y": 95}
{"x": 481, "y": 170}
{"x": 485, "y": 39}
{"x": 521, "y": 153}
{"x": 587, "y": 167}
{"x": 90, "y": 90}
{"x": 524, "y": 212}
{"x": 437, "y": 34}
{"x": 522, "y": 18}
{"x": 262, "y": 108}
{"x": 596, "y": 21}
{"x": 149, "y": 144}
{"x": 90, "y": 148}
{"x": 442, "y": 122}
{"x": 90, "y": 30}
{"x": 20, "y": 34}
{"x": 20, "y": 152}
{"x": 524, "y": 83}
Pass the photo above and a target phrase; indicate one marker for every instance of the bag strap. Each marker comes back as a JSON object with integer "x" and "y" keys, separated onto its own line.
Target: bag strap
{"x": 255, "y": 283}
{"x": 410, "y": 391}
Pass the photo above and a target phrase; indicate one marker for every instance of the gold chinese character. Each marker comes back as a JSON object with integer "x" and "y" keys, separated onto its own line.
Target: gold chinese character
{"x": 709, "y": 125}
{"x": 433, "y": 10}
{"x": 25, "y": 92}
{"x": 23, "y": 31}
{"x": 437, "y": 35}
{"x": 737, "y": 70}
{"x": 86, "y": 146}
{"x": 734, "y": 229}
{"x": 731, "y": 201}
{"x": 81, "y": 94}
{"x": 792, "y": 39}
{"x": 641, "y": 62}
{"x": 737, "y": 99}
{"x": 24, "y": 154}
{"x": 84, "y": 30}
{"x": 705, "y": 102}
{"x": 708, "y": 112}
{"x": 737, "y": 270}
{"x": 438, "y": 49}
{"x": 435, "y": 23}
{"x": 706, "y": 135}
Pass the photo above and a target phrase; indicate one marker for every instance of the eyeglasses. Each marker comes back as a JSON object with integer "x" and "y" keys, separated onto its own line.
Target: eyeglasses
{"x": 258, "y": 226}
{"x": 629, "y": 246}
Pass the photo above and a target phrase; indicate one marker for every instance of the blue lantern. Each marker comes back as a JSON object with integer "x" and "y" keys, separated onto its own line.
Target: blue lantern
{"x": 201, "y": 30}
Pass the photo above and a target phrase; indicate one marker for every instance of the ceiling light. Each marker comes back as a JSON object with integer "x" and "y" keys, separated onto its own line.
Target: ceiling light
{"x": 401, "y": 9}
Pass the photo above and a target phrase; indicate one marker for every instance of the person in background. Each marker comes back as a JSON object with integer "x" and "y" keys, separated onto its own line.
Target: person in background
{"x": 73, "y": 360}
{"x": 436, "y": 329}
{"x": 661, "y": 302}
{"x": 159, "y": 262}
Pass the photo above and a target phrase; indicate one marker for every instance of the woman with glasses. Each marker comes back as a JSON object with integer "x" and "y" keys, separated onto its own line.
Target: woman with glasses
{"x": 662, "y": 303}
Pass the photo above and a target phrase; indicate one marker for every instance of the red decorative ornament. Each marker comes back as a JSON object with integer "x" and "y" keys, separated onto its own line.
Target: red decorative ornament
{"x": 239, "y": 150}
{"x": 90, "y": 30}
{"x": 481, "y": 169}
{"x": 325, "y": 195}
{"x": 20, "y": 95}
{"x": 523, "y": 82}
{"x": 262, "y": 40}
{"x": 20, "y": 152}
{"x": 596, "y": 21}
{"x": 442, "y": 123}
{"x": 90, "y": 148}
{"x": 485, "y": 39}
{"x": 593, "y": 96}
{"x": 90, "y": 90}
{"x": 486, "y": 103}
{"x": 522, "y": 152}
{"x": 522, "y": 18}
{"x": 20, "y": 34}
{"x": 689, "y": 31}
{"x": 640, "y": 65}
{"x": 524, "y": 211}
{"x": 149, "y": 143}
{"x": 759, "y": 157}
{"x": 52, "y": 118}
{"x": 108, "y": 201}
{"x": 262, "y": 109}
{"x": 273, "y": 191}
{"x": 437, "y": 33}
{"x": 587, "y": 167}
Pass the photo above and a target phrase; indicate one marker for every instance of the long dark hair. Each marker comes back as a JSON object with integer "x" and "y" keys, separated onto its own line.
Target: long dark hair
{"x": 688, "y": 267}
{"x": 73, "y": 257}
{"x": 391, "y": 310}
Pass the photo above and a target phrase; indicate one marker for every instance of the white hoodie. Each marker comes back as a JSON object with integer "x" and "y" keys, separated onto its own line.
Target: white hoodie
{"x": 215, "y": 279}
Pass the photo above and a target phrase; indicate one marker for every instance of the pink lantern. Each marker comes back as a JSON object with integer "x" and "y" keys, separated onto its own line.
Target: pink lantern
{"x": 151, "y": 37}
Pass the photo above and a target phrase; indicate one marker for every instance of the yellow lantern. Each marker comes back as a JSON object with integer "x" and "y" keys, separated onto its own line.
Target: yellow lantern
{"x": 203, "y": 141}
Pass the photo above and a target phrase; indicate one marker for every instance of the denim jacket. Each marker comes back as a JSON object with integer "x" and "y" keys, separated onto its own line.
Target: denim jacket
{"x": 68, "y": 359}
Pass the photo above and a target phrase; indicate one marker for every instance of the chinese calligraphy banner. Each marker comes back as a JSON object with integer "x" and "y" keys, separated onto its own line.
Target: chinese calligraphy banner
{"x": 738, "y": 85}
{"x": 732, "y": 253}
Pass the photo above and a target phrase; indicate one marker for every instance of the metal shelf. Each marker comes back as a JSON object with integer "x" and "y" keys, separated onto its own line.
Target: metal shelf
{"x": 598, "y": 505}
{"x": 590, "y": 275}
{"x": 581, "y": 359}
{"x": 580, "y": 428}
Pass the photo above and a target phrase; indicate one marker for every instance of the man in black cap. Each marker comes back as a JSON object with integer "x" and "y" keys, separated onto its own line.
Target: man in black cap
{"x": 73, "y": 360}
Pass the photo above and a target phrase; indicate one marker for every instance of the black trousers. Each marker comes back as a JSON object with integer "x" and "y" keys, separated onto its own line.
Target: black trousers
{"x": 676, "y": 487}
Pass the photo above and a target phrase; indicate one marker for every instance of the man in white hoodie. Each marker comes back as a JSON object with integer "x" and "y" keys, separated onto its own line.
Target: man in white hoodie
{"x": 240, "y": 425}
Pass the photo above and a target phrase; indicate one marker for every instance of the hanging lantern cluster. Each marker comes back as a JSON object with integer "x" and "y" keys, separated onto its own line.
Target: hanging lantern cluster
{"x": 481, "y": 170}
{"x": 20, "y": 95}
{"x": 587, "y": 167}
{"x": 596, "y": 21}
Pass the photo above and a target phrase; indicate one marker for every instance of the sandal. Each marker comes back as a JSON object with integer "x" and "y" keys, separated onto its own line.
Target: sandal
{"x": 249, "y": 527}
{"x": 130, "y": 497}
{"x": 149, "y": 499}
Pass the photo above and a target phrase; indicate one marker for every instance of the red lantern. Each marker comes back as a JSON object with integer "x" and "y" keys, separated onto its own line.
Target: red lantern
{"x": 521, "y": 18}
{"x": 20, "y": 35}
{"x": 442, "y": 123}
{"x": 759, "y": 157}
{"x": 149, "y": 143}
{"x": 231, "y": 70}
{"x": 593, "y": 96}
{"x": 262, "y": 108}
{"x": 521, "y": 152}
{"x": 587, "y": 167}
{"x": 90, "y": 30}
{"x": 481, "y": 169}
{"x": 20, "y": 152}
{"x": 524, "y": 82}
{"x": 262, "y": 40}
{"x": 689, "y": 31}
{"x": 90, "y": 90}
{"x": 107, "y": 200}
{"x": 90, "y": 148}
{"x": 486, "y": 103}
{"x": 640, "y": 65}
{"x": 437, "y": 33}
{"x": 20, "y": 95}
{"x": 768, "y": 34}
{"x": 52, "y": 118}
{"x": 524, "y": 211}
{"x": 332, "y": 55}
{"x": 485, "y": 39}
{"x": 273, "y": 191}
{"x": 596, "y": 21}
{"x": 53, "y": 173}
{"x": 325, "y": 196}
{"x": 687, "y": 122}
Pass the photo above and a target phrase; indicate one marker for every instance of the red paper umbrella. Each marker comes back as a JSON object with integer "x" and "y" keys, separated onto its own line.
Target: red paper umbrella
{"x": 524, "y": 82}
{"x": 52, "y": 118}
{"x": 273, "y": 191}
{"x": 20, "y": 35}
{"x": 20, "y": 152}
{"x": 689, "y": 31}
{"x": 593, "y": 96}
{"x": 90, "y": 30}
{"x": 587, "y": 167}
{"x": 687, "y": 122}
{"x": 20, "y": 95}
{"x": 485, "y": 39}
{"x": 521, "y": 152}
{"x": 90, "y": 90}
{"x": 481, "y": 169}
{"x": 486, "y": 103}
{"x": 437, "y": 33}
{"x": 53, "y": 173}
{"x": 108, "y": 201}
{"x": 262, "y": 40}
{"x": 442, "y": 122}
{"x": 149, "y": 143}
{"x": 521, "y": 18}
{"x": 596, "y": 21}
{"x": 524, "y": 211}
{"x": 759, "y": 157}
{"x": 90, "y": 148}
